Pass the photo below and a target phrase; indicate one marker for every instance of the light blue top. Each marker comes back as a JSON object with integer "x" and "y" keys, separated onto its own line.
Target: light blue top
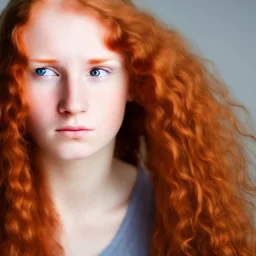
{"x": 135, "y": 232}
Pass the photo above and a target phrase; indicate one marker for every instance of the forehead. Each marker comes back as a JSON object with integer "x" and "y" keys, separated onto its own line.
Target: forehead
{"x": 65, "y": 34}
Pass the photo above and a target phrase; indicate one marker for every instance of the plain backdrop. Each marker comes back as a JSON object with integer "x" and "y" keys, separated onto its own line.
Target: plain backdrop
{"x": 224, "y": 31}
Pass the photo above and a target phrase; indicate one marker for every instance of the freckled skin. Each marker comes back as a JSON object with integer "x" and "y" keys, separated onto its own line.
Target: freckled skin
{"x": 70, "y": 92}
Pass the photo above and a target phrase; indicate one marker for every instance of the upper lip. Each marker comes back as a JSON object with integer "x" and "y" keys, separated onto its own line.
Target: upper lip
{"x": 73, "y": 128}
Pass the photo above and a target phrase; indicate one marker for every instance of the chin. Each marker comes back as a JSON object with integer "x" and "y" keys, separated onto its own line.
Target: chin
{"x": 74, "y": 154}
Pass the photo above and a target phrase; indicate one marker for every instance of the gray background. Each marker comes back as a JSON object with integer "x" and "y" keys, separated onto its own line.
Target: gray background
{"x": 224, "y": 31}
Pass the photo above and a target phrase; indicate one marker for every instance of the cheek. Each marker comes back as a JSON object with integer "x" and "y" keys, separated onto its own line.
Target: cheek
{"x": 41, "y": 108}
{"x": 111, "y": 111}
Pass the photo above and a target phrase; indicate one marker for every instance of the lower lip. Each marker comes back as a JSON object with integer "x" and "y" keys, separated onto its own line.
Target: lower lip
{"x": 73, "y": 134}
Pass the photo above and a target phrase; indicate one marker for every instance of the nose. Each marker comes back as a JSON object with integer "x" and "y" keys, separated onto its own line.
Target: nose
{"x": 74, "y": 99}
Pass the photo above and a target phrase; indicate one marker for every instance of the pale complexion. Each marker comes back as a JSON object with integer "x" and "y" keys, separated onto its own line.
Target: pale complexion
{"x": 68, "y": 85}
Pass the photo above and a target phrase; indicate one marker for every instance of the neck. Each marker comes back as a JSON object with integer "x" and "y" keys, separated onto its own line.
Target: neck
{"x": 81, "y": 183}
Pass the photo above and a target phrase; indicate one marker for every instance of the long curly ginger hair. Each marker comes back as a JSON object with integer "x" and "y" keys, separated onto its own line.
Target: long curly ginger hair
{"x": 195, "y": 145}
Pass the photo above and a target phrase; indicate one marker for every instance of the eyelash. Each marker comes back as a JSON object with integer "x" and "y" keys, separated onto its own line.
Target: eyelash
{"x": 50, "y": 68}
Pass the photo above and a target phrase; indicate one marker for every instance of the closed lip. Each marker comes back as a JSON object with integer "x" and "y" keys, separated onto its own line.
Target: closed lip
{"x": 73, "y": 128}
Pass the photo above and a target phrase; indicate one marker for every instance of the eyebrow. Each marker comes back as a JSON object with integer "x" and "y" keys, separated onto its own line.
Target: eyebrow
{"x": 90, "y": 61}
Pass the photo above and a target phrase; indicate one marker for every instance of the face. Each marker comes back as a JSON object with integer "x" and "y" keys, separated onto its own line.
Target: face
{"x": 74, "y": 83}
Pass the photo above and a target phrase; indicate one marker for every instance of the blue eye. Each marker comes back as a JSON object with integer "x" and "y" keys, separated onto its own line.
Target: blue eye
{"x": 40, "y": 71}
{"x": 44, "y": 72}
{"x": 96, "y": 72}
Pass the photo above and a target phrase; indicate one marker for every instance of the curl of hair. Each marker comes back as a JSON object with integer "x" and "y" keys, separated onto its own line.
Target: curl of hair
{"x": 195, "y": 144}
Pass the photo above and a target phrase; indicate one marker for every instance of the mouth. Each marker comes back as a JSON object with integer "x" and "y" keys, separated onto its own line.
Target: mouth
{"x": 73, "y": 128}
{"x": 73, "y": 132}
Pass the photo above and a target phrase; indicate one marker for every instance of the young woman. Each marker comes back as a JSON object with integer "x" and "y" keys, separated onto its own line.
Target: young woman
{"x": 115, "y": 138}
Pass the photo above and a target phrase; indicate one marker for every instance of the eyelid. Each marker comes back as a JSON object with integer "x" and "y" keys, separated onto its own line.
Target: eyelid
{"x": 101, "y": 67}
